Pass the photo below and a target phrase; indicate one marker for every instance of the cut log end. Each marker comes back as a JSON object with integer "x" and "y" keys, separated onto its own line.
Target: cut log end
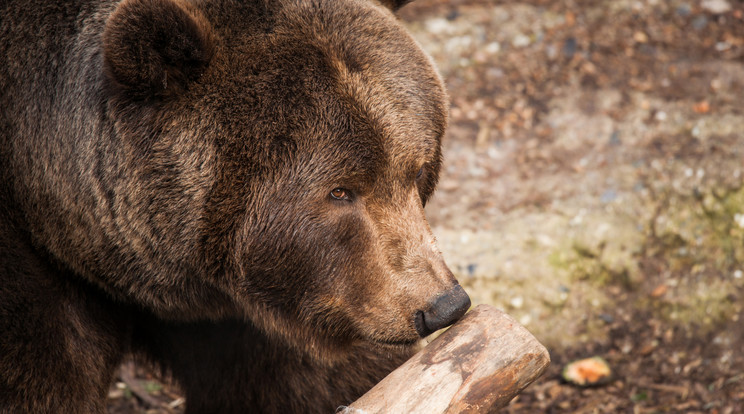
{"x": 477, "y": 366}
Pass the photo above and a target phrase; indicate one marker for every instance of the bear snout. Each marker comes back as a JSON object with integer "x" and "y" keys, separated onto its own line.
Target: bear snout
{"x": 443, "y": 311}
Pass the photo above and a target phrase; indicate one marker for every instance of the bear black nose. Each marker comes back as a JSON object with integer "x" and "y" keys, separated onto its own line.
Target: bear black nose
{"x": 444, "y": 311}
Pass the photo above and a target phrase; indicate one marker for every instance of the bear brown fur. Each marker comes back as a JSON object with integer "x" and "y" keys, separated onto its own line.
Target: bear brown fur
{"x": 233, "y": 190}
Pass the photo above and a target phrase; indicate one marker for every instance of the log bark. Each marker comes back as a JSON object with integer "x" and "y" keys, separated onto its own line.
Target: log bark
{"x": 477, "y": 366}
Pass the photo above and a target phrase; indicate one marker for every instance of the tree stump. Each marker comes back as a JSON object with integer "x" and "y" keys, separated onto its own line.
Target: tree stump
{"x": 477, "y": 366}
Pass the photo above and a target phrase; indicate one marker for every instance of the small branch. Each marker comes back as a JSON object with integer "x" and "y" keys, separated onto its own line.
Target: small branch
{"x": 126, "y": 375}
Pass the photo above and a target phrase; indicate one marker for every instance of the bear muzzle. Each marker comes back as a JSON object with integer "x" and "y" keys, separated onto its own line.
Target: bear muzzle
{"x": 443, "y": 311}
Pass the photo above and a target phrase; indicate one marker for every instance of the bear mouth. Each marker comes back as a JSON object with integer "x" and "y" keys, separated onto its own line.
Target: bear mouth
{"x": 395, "y": 342}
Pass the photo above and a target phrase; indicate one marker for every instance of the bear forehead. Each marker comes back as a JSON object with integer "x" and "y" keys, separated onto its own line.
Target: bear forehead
{"x": 344, "y": 69}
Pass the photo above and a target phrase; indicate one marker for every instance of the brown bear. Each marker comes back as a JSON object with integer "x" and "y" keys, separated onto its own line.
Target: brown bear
{"x": 233, "y": 190}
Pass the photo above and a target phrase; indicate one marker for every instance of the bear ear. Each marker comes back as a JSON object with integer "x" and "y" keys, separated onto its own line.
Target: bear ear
{"x": 152, "y": 47}
{"x": 394, "y": 5}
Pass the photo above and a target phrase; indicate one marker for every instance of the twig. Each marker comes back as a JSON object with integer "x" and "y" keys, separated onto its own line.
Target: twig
{"x": 126, "y": 375}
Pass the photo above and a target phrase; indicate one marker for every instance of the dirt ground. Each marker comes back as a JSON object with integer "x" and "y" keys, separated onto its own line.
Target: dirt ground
{"x": 593, "y": 189}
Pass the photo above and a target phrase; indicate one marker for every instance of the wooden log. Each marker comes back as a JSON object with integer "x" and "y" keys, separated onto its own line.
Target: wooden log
{"x": 476, "y": 366}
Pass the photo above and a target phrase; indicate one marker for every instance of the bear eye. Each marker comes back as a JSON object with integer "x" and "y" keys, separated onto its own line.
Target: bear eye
{"x": 341, "y": 194}
{"x": 420, "y": 173}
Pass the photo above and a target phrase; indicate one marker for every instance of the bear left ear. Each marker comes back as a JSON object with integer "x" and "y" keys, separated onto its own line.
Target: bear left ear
{"x": 152, "y": 47}
{"x": 394, "y": 5}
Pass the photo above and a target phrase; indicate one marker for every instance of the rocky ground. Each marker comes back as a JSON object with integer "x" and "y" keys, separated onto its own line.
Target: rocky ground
{"x": 593, "y": 189}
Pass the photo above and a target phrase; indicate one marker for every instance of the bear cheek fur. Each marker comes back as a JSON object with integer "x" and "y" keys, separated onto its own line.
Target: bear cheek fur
{"x": 350, "y": 270}
{"x": 319, "y": 266}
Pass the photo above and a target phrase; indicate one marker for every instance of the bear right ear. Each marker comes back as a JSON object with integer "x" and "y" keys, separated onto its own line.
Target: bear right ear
{"x": 152, "y": 47}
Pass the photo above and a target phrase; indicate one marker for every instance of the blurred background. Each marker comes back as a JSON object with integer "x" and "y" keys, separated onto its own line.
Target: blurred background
{"x": 592, "y": 189}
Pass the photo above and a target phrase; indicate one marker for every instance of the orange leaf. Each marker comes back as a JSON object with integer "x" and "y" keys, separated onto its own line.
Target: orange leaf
{"x": 702, "y": 107}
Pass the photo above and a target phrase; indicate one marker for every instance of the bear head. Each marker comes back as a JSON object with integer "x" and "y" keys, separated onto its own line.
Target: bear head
{"x": 279, "y": 154}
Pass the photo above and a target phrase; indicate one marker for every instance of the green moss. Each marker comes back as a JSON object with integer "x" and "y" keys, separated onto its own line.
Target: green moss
{"x": 712, "y": 306}
{"x": 704, "y": 228}
{"x": 607, "y": 256}
{"x": 695, "y": 242}
{"x": 699, "y": 239}
{"x": 152, "y": 386}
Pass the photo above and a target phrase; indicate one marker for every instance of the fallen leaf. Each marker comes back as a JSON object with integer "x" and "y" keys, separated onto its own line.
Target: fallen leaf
{"x": 587, "y": 372}
{"x": 702, "y": 107}
{"x": 659, "y": 291}
{"x": 640, "y": 37}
